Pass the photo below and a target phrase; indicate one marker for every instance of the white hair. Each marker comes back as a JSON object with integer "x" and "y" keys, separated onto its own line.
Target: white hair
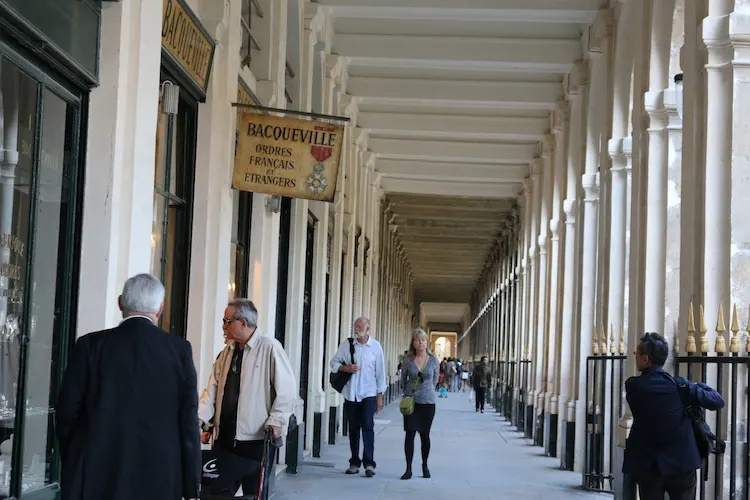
{"x": 143, "y": 293}
{"x": 245, "y": 309}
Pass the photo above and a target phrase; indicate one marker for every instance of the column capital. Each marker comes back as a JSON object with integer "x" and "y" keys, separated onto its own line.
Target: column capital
{"x": 554, "y": 227}
{"x": 548, "y": 145}
{"x": 718, "y": 42}
{"x": 542, "y": 242}
{"x": 578, "y": 77}
{"x": 536, "y": 166}
{"x": 616, "y": 152}
{"x": 600, "y": 30}
{"x": 569, "y": 206}
{"x": 561, "y": 115}
{"x": 528, "y": 185}
{"x": 653, "y": 104}
{"x": 590, "y": 183}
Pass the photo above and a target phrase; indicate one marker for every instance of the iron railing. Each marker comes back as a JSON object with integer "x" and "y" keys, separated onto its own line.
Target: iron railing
{"x": 604, "y": 408}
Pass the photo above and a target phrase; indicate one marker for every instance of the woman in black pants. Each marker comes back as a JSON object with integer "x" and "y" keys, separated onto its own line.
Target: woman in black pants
{"x": 419, "y": 376}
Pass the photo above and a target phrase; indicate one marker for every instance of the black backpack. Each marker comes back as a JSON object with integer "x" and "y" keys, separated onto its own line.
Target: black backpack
{"x": 708, "y": 442}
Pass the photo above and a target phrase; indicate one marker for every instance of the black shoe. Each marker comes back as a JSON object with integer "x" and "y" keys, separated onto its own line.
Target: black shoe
{"x": 426, "y": 472}
{"x": 477, "y": 410}
{"x": 407, "y": 475}
{"x": 481, "y": 411}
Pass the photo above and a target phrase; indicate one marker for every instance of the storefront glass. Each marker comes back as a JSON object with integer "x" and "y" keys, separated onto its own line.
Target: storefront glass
{"x": 38, "y": 166}
{"x": 173, "y": 192}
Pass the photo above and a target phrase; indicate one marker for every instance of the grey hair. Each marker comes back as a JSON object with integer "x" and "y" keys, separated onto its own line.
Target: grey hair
{"x": 245, "y": 309}
{"x": 142, "y": 293}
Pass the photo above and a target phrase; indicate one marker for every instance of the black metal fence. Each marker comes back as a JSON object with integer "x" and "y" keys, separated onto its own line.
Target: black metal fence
{"x": 729, "y": 471}
{"x": 504, "y": 389}
{"x": 604, "y": 408}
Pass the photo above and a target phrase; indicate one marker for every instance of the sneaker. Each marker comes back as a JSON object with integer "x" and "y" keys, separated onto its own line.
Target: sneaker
{"x": 353, "y": 469}
{"x": 369, "y": 471}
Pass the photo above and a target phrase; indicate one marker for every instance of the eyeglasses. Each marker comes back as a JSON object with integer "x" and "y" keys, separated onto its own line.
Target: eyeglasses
{"x": 228, "y": 321}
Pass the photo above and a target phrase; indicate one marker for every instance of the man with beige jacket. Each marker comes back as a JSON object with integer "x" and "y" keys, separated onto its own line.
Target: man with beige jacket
{"x": 251, "y": 388}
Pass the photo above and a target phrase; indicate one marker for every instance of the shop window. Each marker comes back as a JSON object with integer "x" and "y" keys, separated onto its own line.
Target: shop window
{"x": 239, "y": 257}
{"x": 251, "y": 9}
{"x": 173, "y": 191}
{"x": 38, "y": 168}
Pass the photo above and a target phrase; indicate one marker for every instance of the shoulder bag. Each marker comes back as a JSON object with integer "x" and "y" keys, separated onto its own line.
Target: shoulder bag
{"x": 339, "y": 379}
{"x": 407, "y": 402}
{"x": 708, "y": 443}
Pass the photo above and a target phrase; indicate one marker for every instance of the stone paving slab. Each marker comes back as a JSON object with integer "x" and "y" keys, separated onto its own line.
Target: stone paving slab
{"x": 474, "y": 456}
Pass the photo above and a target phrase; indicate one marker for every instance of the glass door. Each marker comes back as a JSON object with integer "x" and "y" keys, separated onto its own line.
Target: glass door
{"x": 172, "y": 220}
{"x": 39, "y": 160}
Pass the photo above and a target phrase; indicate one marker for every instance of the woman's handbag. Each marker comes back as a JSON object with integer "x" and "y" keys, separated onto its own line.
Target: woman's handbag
{"x": 407, "y": 402}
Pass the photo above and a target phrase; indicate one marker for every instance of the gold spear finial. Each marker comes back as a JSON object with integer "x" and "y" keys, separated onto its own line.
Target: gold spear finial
{"x": 704, "y": 347}
{"x": 603, "y": 339}
{"x": 612, "y": 339}
{"x": 690, "y": 341}
{"x": 720, "y": 346}
{"x": 734, "y": 343}
{"x": 622, "y": 338}
{"x": 676, "y": 339}
{"x": 595, "y": 346}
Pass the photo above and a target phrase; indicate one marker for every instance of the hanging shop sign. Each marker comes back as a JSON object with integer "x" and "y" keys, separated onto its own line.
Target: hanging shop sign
{"x": 187, "y": 43}
{"x": 287, "y": 157}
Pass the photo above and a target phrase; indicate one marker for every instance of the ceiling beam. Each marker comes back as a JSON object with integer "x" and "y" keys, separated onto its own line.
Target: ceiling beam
{"x": 448, "y": 203}
{"x": 509, "y": 94}
{"x": 454, "y": 125}
{"x": 453, "y": 150}
{"x": 568, "y": 11}
{"x": 515, "y": 173}
{"x": 496, "y": 53}
{"x": 466, "y": 216}
{"x": 436, "y": 187}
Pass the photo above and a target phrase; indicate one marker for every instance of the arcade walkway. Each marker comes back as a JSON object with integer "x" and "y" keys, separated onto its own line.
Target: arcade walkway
{"x": 474, "y": 457}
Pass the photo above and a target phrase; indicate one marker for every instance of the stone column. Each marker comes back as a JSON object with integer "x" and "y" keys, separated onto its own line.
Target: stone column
{"x": 617, "y": 144}
{"x": 577, "y": 81}
{"x": 590, "y": 183}
{"x": 525, "y": 344}
{"x": 561, "y": 119}
{"x": 719, "y": 135}
{"x": 537, "y": 295}
{"x": 658, "y": 149}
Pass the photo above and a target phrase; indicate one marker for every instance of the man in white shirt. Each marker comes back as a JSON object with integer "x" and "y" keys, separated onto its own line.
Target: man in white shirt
{"x": 363, "y": 394}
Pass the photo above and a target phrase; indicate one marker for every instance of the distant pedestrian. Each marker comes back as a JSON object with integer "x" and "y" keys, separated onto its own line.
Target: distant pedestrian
{"x": 481, "y": 379}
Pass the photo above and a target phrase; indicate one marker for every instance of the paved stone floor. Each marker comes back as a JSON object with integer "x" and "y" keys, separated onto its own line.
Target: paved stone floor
{"x": 474, "y": 457}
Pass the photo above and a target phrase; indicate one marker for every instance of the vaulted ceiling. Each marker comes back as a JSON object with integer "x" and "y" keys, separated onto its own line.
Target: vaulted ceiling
{"x": 456, "y": 97}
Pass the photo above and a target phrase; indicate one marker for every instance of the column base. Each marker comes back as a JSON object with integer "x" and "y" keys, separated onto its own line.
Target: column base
{"x": 518, "y": 409}
{"x": 317, "y": 434}
{"x": 568, "y": 436}
{"x": 539, "y": 431}
{"x": 550, "y": 437}
{"x": 332, "y": 427}
{"x": 528, "y": 420}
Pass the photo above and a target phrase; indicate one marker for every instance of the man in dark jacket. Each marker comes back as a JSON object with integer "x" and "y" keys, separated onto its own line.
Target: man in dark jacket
{"x": 661, "y": 453}
{"x": 127, "y": 413}
{"x": 481, "y": 380}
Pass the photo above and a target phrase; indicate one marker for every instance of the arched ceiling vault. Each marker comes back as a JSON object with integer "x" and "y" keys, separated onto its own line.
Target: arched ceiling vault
{"x": 456, "y": 98}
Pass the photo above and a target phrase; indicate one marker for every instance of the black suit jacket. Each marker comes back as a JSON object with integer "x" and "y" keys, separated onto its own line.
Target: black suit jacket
{"x": 661, "y": 440}
{"x": 127, "y": 416}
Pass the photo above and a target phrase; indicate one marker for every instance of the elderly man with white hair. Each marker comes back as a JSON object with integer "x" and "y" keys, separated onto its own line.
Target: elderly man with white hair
{"x": 126, "y": 412}
{"x": 363, "y": 394}
{"x": 251, "y": 388}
